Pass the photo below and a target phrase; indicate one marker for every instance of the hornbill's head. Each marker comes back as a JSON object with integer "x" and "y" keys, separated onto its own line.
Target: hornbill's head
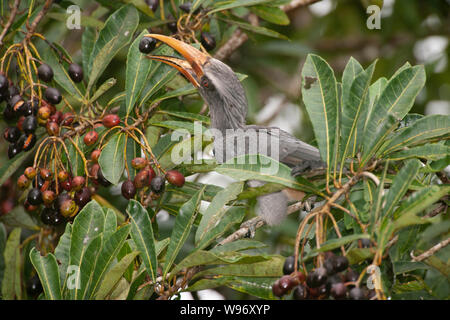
{"x": 216, "y": 82}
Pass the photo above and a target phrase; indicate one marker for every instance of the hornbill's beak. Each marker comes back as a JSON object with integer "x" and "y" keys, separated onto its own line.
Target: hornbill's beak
{"x": 192, "y": 67}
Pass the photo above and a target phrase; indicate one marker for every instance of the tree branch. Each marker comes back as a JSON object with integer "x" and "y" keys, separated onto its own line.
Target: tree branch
{"x": 10, "y": 20}
{"x": 431, "y": 251}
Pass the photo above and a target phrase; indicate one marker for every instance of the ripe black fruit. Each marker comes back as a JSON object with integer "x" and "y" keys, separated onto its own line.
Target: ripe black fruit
{"x": 351, "y": 276}
{"x": 34, "y": 286}
{"x": 300, "y": 292}
{"x": 4, "y": 83}
{"x": 29, "y": 108}
{"x": 29, "y": 124}
{"x": 52, "y": 95}
{"x": 356, "y": 294}
{"x": 8, "y": 114}
{"x": 207, "y": 40}
{"x": 11, "y": 134}
{"x": 47, "y": 216}
{"x": 128, "y": 189}
{"x": 34, "y": 197}
{"x": 172, "y": 25}
{"x": 75, "y": 72}
{"x": 146, "y": 45}
{"x": 82, "y": 197}
{"x": 12, "y": 91}
{"x": 152, "y": 4}
{"x": 316, "y": 278}
{"x": 16, "y": 103}
{"x": 338, "y": 290}
{"x": 340, "y": 263}
{"x": 45, "y": 72}
{"x": 289, "y": 264}
{"x": 157, "y": 184}
{"x": 13, "y": 150}
{"x": 27, "y": 141}
{"x": 38, "y": 182}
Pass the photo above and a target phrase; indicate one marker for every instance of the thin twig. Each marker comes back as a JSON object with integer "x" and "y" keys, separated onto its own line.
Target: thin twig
{"x": 431, "y": 251}
{"x": 10, "y": 20}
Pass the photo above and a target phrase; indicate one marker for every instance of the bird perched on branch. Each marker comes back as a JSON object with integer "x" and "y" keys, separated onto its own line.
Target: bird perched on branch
{"x": 223, "y": 93}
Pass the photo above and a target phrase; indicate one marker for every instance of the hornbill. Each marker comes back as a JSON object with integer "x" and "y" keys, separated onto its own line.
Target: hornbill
{"x": 224, "y": 94}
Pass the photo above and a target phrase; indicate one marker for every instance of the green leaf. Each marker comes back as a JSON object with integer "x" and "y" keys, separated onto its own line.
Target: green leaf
{"x": 430, "y": 152}
{"x": 226, "y": 5}
{"x": 138, "y": 68}
{"x": 186, "y": 116}
{"x": 183, "y": 225}
{"x": 259, "y": 30}
{"x": 87, "y": 44}
{"x": 47, "y": 269}
{"x": 338, "y": 242}
{"x": 3, "y": 238}
{"x": 110, "y": 223}
{"x": 109, "y": 252}
{"x": 239, "y": 245}
{"x": 142, "y": 235}
{"x": 108, "y": 84}
{"x": 396, "y": 100}
{"x": 62, "y": 251}
{"x": 260, "y": 167}
{"x": 217, "y": 209}
{"x": 400, "y": 185}
{"x": 233, "y": 216}
{"x": 422, "y": 130}
{"x": 112, "y": 160}
{"x": 18, "y": 217}
{"x": 273, "y": 15}
{"x": 375, "y": 91}
{"x": 319, "y": 90}
{"x": 113, "y": 276}
{"x": 87, "y": 226}
{"x": 11, "y": 165}
{"x": 115, "y": 34}
{"x": 355, "y": 105}
{"x": 11, "y": 286}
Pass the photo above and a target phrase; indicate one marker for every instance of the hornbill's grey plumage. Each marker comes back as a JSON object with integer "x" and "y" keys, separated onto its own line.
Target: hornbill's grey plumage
{"x": 223, "y": 93}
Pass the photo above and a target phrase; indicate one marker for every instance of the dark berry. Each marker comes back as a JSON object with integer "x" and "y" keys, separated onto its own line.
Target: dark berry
{"x": 29, "y": 109}
{"x": 11, "y": 134}
{"x": 75, "y": 72}
{"x": 29, "y": 124}
{"x": 300, "y": 292}
{"x": 90, "y": 138}
{"x": 286, "y": 283}
{"x": 101, "y": 179}
{"x": 4, "y": 83}
{"x": 52, "y": 95}
{"x": 340, "y": 263}
{"x": 365, "y": 243}
{"x": 152, "y": 4}
{"x": 146, "y": 45}
{"x": 17, "y": 104}
{"x": 28, "y": 207}
{"x": 13, "y": 150}
{"x": 338, "y": 290}
{"x": 82, "y": 197}
{"x": 300, "y": 276}
{"x": 175, "y": 178}
{"x": 45, "y": 72}
{"x": 34, "y": 286}
{"x": 324, "y": 290}
{"x": 289, "y": 264}
{"x": 172, "y": 25}
{"x": 157, "y": 184}
{"x": 57, "y": 219}
{"x": 34, "y": 197}
{"x": 316, "y": 278}
{"x": 9, "y": 115}
{"x": 111, "y": 120}
{"x": 351, "y": 276}
{"x": 277, "y": 290}
{"x": 207, "y": 41}
{"x": 12, "y": 91}
{"x": 329, "y": 265}
{"x": 38, "y": 182}
{"x": 356, "y": 294}
{"x": 128, "y": 189}
{"x": 47, "y": 215}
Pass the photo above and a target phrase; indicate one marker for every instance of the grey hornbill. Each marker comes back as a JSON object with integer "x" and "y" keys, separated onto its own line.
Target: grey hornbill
{"x": 223, "y": 93}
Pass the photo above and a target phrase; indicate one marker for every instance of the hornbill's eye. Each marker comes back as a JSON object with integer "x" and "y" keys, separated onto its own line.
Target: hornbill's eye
{"x": 205, "y": 82}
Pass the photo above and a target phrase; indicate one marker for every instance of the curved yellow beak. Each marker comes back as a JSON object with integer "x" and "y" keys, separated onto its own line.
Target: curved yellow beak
{"x": 192, "y": 67}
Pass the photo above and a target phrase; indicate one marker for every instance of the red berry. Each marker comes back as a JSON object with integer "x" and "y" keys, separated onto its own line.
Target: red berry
{"x": 95, "y": 155}
{"x": 23, "y": 182}
{"x": 139, "y": 163}
{"x": 286, "y": 283}
{"x": 30, "y": 173}
{"x": 63, "y": 175}
{"x": 46, "y": 174}
{"x": 90, "y": 138}
{"x": 175, "y": 178}
{"x": 67, "y": 119}
{"x": 111, "y": 120}
{"x": 52, "y": 128}
{"x": 277, "y": 290}
{"x": 141, "y": 179}
{"x": 48, "y": 197}
{"x": 78, "y": 183}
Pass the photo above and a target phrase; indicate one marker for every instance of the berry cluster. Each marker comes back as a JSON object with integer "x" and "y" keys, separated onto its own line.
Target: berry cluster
{"x": 333, "y": 279}
{"x": 206, "y": 39}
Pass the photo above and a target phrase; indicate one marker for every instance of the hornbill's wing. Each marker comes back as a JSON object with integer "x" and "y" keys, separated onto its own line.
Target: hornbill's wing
{"x": 292, "y": 151}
